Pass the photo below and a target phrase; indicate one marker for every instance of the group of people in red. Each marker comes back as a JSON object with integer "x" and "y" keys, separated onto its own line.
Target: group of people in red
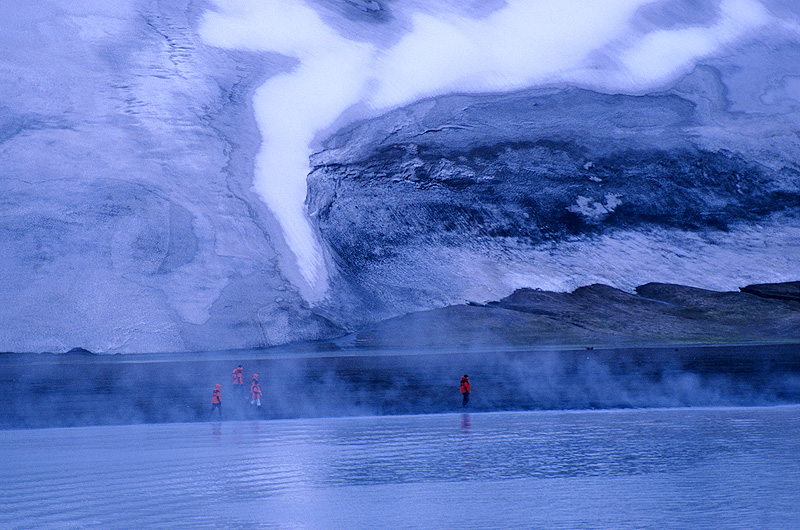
{"x": 237, "y": 380}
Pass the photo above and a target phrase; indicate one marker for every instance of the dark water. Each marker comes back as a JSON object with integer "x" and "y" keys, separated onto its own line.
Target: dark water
{"x": 717, "y": 468}
{"x": 73, "y": 390}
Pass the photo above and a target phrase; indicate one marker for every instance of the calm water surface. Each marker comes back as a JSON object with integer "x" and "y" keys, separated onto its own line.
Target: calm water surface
{"x": 666, "y": 468}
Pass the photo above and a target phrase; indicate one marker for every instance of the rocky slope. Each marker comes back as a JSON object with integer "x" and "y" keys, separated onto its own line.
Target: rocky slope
{"x": 595, "y": 316}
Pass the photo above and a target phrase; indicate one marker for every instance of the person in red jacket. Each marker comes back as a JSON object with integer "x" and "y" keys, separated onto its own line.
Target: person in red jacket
{"x": 237, "y": 379}
{"x": 255, "y": 392}
{"x": 237, "y": 376}
{"x": 216, "y": 401}
{"x": 255, "y": 395}
{"x": 465, "y": 390}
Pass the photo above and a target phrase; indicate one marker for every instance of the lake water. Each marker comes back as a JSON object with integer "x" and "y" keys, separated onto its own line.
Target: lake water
{"x": 658, "y": 468}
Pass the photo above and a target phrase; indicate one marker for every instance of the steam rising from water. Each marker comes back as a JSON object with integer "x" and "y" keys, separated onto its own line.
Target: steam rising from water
{"x": 601, "y": 44}
{"x": 51, "y": 391}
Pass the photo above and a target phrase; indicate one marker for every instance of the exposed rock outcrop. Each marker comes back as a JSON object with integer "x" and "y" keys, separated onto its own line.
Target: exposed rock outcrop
{"x": 594, "y": 315}
{"x": 779, "y": 291}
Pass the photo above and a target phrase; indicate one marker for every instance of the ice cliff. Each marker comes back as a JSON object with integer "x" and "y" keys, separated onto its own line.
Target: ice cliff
{"x": 145, "y": 208}
{"x": 128, "y": 219}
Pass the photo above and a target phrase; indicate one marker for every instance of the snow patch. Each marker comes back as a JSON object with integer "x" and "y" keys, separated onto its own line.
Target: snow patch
{"x": 595, "y": 210}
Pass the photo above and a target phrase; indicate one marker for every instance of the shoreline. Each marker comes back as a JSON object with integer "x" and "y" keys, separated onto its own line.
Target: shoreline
{"x": 322, "y": 350}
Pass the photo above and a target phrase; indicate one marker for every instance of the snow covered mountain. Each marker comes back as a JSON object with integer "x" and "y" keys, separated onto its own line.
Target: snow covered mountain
{"x": 182, "y": 176}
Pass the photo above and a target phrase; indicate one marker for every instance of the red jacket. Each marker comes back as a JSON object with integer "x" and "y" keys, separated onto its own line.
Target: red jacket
{"x": 237, "y": 376}
{"x": 216, "y": 397}
{"x": 465, "y": 388}
{"x": 255, "y": 391}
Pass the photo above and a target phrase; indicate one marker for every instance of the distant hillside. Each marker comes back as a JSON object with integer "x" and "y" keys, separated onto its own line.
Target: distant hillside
{"x": 598, "y": 315}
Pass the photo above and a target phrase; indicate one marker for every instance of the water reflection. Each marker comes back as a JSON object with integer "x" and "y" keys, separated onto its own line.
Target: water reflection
{"x": 563, "y": 467}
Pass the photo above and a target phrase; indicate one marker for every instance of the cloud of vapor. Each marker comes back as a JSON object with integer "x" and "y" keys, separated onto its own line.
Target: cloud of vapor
{"x": 75, "y": 390}
{"x": 592, "y": 43}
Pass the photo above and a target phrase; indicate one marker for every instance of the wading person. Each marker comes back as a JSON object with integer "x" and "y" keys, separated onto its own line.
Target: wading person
{"x": 255, "y": 392}
{"x": 216, "y": 401}
{"x": 237, "y": 379}
{"x": 253, "y": 382}
{"x": 465, "y": 390}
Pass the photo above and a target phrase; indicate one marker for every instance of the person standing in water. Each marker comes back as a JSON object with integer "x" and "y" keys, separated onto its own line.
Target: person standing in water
{"x": 237, "y": 379}
{"x": 216, "y": 401}
{"x": 465, "y": 390}
{"x": 255, "y": 392}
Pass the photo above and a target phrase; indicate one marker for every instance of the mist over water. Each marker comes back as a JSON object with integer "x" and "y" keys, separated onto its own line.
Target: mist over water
{"x": 51, "y": 391}
{"x": 351, "y": 64}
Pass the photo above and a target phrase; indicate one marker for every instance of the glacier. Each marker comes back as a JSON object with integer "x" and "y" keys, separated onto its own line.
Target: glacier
{"x": 520, "y": 44}
{"x": 186, "y": 176}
